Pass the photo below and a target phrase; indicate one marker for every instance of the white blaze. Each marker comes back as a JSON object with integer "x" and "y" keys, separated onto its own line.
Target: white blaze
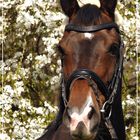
{"x": 77, "y": 116}
{"x": 88, "y": 35}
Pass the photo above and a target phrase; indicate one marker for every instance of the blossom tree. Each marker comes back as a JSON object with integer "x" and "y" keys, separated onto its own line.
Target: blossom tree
{"x": 31, "y": 66}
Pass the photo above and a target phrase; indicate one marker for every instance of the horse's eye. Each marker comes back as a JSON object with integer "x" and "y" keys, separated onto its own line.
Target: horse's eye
{"x": 114, "y": 49}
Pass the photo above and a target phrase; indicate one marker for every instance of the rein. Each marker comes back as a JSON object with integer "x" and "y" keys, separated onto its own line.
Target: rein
{"x": 93, "y": 79}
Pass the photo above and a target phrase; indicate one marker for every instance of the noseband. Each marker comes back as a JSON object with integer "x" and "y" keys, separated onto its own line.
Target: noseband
{"x": 108, "y": 91}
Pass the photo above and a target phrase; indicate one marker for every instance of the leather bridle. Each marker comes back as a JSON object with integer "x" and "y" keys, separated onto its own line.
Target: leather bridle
{"x": 93, "y": 79}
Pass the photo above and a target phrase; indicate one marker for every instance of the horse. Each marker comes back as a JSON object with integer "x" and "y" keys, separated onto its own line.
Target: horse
{"x": 92, "y": 64}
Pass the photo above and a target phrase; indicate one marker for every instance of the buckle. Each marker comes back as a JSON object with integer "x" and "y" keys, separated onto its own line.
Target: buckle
{"x": 106, "y": 110}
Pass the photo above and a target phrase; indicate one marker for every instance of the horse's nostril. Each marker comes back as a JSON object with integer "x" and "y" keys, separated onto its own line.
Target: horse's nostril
{"x": 81, "y": 127}
{"x": 80, "y": 130}
{"x": 92, "y": 111}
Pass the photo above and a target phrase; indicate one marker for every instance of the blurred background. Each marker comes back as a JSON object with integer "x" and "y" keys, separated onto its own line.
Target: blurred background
{"x": 31, "y": 66}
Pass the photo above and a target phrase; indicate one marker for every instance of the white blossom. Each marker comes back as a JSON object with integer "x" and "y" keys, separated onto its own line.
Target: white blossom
{"x": 39, "y": 110}
{"x": 17, "y": 55}
{"x": 28, "y": 3}
{"x": 8, "y": 89}
{"x": 83, "y": 2}
{"x": 50, "y": 107}
{"x": 4, "y": 136}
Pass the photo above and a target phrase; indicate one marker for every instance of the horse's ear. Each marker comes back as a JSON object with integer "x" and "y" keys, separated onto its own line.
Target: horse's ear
{"x": 109, "y": 7}
{"x": 69, "y": 7}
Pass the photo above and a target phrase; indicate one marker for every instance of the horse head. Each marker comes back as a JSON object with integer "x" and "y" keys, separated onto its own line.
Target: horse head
{"x": 90, "y": 52}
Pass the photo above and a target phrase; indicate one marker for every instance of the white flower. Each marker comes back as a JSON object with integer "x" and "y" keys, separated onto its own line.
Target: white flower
{"x": 4, "y": 136}
{"x": 14, "y": 114}
{"x": 16, "y": 76}
{"x": 54, "y": 80}
{"x": 7, "y": 120}
{"x": 41, "y": 60}
{"x": 30, "y": 56}
{"x": 19, "y": 84}
{"x": 83, "y": 2}
{"x": 7, "y": 107}
{"x": 25, "y": 72}
{"x": 39, "y": 110}
{"x": 28, "y": 3}
{"x": 2, "y": 120}
{"x": 17, "y": 55}
{"x": 129, "y": 100}
{"x": 136, "y": 138}
{"x": 28, "y": 18}
{"x": 14, "y": 66}
{"x": 19, "y": 87}
{"x": 39, "y": 16}
{"x": 51, "y": 109}
{"x": 9, "y": 89}
{"x": 118, "y": 18}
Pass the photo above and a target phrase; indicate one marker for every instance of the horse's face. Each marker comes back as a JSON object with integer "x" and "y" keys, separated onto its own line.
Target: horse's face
{"x": 97, "y": 52}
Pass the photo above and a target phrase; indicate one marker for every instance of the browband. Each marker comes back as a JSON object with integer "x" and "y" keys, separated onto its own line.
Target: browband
{"x": 94, "y": 28}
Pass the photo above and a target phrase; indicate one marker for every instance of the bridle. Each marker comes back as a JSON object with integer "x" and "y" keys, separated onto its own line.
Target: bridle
{"x": 93, "y": 79}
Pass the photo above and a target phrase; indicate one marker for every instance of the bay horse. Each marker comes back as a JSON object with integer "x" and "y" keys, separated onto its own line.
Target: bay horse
{"x": 92, "y": 56}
